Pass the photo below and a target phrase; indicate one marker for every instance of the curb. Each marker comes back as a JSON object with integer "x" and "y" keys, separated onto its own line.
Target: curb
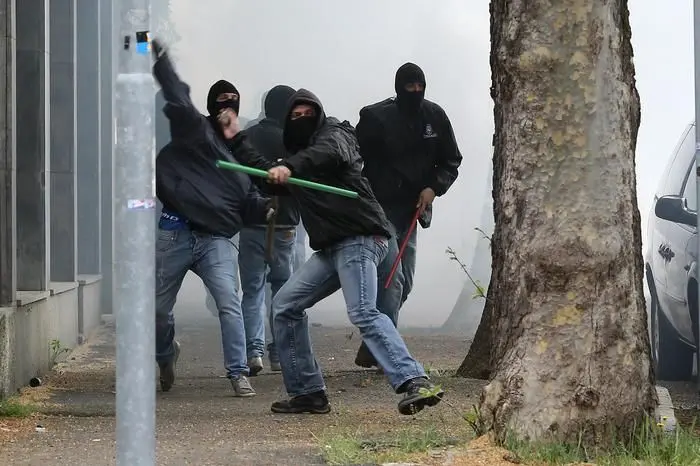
{"x": 665, "y": 417}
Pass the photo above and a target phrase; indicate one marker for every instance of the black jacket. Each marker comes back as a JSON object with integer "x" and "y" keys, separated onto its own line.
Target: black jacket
{"x": 266, "y": 137}
{"x": 333, "y": 158}
{"x": 405, "y": 154}
{"x": 188, "y": 182}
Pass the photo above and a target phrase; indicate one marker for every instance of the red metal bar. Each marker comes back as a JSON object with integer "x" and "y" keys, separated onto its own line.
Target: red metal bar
{"x": 397, "y": 261}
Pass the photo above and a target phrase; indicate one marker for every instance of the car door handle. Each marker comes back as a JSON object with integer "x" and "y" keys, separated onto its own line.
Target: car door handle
{"x": 666, "y": 252}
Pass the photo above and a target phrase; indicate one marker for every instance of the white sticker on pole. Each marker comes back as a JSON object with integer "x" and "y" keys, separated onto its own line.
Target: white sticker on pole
{"x": 140, "y": 204}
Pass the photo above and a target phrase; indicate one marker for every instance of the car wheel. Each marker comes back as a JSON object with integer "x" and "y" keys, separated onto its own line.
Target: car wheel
{"x": 673, "y": 359}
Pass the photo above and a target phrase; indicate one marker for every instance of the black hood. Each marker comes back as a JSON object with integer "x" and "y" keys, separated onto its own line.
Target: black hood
{"x": 218, "y": 88}
{"x": 302, "y": 96}
{"x": 276, "y": 101}
{"x": 406, "y": 74}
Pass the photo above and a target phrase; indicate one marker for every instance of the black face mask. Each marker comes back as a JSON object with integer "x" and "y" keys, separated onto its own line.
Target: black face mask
{"x": 230, "y": 103}
{"x": 298, "y": 133}
{"x": 410, "y": 101}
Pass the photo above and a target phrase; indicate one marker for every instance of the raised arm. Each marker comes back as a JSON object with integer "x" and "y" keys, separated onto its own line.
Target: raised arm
{"x": 184, "y": 117}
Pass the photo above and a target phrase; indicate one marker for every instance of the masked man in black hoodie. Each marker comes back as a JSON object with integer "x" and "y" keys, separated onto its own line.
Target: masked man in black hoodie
{"x": 411, "y": 156}
{"x": 266, "y": 251}
{"x": 203, "y": 208}
{"x": 350, "y": 238}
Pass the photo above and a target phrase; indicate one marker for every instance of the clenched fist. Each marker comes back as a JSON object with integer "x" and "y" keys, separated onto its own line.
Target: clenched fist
{"x": 279, "y": 174}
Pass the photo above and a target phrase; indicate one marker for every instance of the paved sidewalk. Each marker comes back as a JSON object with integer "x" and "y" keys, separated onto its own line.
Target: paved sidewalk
{"x": 200, "y": 423}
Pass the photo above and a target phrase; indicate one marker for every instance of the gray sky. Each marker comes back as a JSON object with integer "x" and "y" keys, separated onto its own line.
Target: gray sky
{"x": 347, "y": 53}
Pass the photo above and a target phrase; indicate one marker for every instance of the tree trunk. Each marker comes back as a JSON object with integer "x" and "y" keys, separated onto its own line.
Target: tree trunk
{"x": 476, "y": 364}
{"x": 569, "y": 327}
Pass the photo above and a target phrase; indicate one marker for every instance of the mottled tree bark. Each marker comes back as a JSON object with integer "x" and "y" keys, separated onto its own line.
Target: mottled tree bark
{"x": 569, "y": 330}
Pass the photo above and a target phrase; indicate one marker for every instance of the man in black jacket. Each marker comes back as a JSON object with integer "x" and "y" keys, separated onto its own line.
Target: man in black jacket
{"x": 411, "y": 156}
{"x": 350, "y": 237}
{"x": 266, "y": 251}
{"x": 203, "y": 208}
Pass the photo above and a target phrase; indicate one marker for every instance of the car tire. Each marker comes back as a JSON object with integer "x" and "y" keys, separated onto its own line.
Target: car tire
{"x": 673, "y": 359}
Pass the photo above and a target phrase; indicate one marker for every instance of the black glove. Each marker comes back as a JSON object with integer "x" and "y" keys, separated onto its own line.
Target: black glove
{"x": 157, "y": 48}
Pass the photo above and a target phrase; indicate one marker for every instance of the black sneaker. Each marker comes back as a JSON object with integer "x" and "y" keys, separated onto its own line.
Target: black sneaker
{"x": 365, "y": 358}
{"x": 313, "y": 403}
{"x": 167, "y": 369}
{"x": 418, "y": 393}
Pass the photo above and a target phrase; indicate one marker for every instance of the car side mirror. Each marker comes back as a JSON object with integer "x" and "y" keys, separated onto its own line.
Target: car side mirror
{"x": 672, "y": 209}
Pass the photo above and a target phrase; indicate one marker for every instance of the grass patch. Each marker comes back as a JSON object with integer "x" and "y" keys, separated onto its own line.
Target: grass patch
{"x": 13, "y": 408}
{"x": 403, "y": 445}
{"x": 649, "y": 446}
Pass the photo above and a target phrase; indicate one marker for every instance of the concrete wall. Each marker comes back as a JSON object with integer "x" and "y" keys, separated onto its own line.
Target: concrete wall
{"x": 7, "y": 343}
{"x": 89, "y": 305}
{"x": 44, "y": 323}
{"x": 56, "y": 146}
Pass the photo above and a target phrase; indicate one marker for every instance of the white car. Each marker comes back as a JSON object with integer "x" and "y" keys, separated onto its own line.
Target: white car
{"x": 671, "y": 264}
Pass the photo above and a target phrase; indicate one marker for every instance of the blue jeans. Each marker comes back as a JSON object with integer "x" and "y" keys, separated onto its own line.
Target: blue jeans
{"x": 350, "y": 265}
{"x": 390, "y": 300}
{"x": 254, "y": 273}
{"x": 213, "y": 259}
{"x": 209, "y": 300}
{"x": 300, "y": 247}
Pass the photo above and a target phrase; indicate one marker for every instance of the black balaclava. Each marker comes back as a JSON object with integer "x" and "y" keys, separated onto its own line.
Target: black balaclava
{"x": 297, "y": 133}
{"x": 406, "y": 74}
{"x": 277, "y": 102}
{"x": 218, "y": 88}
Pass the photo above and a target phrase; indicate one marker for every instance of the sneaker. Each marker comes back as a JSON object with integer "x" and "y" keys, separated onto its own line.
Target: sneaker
{"x": 167, "y": 369}
{"x": 241, "y": 386}
{"x": 365, "y": 358}
{"x": 275, "y": 366}
{"x": 313, "y": 403}
{"x": 419, "y": 393}
{"x": 255, "y": 365}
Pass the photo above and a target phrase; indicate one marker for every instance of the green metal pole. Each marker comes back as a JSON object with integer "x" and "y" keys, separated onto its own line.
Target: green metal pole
{"x": 303, "y": 183}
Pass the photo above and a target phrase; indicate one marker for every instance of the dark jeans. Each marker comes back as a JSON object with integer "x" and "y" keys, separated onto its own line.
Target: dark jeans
{"x": 390, "y": 300}
{"x": 255, "y": 271}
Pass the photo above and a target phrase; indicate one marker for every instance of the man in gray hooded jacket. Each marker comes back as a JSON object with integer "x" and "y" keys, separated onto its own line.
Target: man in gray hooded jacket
{"x": 266, "y": 251}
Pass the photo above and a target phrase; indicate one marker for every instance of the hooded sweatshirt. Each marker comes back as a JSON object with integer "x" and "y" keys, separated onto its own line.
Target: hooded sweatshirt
{"x": 188, "y": 183}
{"x": 331, "y": 157}
{"x": 266, "y": 137}
{"x": 408, "y": 144}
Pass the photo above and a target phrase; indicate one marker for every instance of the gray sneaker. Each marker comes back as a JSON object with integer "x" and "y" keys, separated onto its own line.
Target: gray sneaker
{"x": 241, "y": 386}
{"x": 255, "y": 365}
{"x": 275, "y": 366}
{"x": 167, "y": 370}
